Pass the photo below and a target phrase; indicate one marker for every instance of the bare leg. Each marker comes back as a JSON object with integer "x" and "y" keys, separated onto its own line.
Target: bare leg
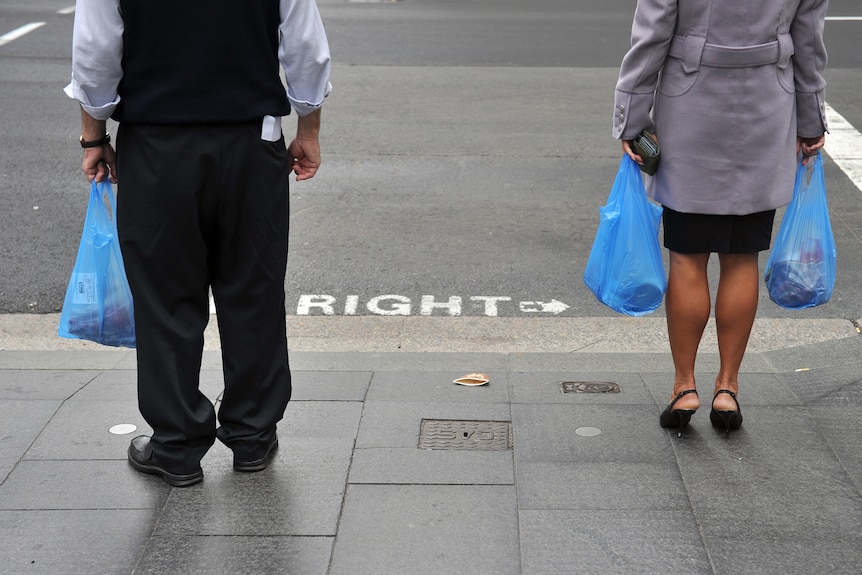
{"x": 687, "y": 303}
{"x": 735, "y": 308}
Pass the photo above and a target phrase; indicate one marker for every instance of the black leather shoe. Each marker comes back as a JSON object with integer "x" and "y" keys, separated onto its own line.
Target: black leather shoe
{"x": 257, "y": 464}
{"x": 141, "y": 458}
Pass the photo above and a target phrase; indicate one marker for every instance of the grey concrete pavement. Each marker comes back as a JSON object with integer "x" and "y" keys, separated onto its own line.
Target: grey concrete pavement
{"x": 591, "y": 483}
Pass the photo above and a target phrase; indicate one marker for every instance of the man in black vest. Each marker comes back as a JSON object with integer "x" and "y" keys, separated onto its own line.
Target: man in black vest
{"x": 202, "y": 172}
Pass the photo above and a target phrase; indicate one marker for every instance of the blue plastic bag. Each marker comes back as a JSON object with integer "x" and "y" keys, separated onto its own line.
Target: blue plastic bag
{"x": 625, "y": 270}
{"x": 800, "y": 272}
{"x": 98, "y": 305}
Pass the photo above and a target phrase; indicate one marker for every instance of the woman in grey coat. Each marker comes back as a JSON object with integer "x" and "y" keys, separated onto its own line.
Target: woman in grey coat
{"x": 734, "y": 92}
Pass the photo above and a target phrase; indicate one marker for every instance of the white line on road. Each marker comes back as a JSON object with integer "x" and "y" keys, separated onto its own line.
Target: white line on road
{"x": 844, "y": 146}
{"x": 18, "y": 32}
{"x": 844, "y": 18}
{"x": 67, "y": 10}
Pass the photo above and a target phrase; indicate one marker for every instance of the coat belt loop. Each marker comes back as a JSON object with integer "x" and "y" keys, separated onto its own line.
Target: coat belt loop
{"x": 785, "y": 50}
{"x": 693, "y": 53}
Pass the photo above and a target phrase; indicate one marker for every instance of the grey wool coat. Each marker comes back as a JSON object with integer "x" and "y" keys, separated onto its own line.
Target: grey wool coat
{"x": 726, "y": 85}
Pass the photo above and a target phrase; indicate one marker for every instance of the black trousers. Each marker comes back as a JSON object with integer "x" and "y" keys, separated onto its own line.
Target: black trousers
{"x": 202, "y": 207}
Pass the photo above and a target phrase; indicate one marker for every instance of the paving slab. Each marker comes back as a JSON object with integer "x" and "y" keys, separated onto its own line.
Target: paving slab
{"x": 321, "y": 420}
{"x": 43, "y": 383}
{"x": 330, "y": 385}
{"x": 73, "y": 542}
{"x": 611, "y": 541}
{"x": 839, "y": 385}
{"x": 413, "y": 466}
{"x": 783, "y": 556}
{"x": 777, "y": 478}
{"x": 20, "y": 425}
{"x": 81, "y": 430}
{"x": 626, "y": 433}
{"x": 80, "y": 485}
{"x": 599, "y": 486}
{"x": 299, "y": 494}
{"x": 841, "y": 428}
{"x": 419, "y": 529}
{"x": 208, "y": 555}
{"x": 433, "y": 386}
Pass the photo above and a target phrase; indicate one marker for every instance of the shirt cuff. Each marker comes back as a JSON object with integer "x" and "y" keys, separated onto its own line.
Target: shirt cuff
{"x": 304, "y": 108}
{"x": 102, "y": 112}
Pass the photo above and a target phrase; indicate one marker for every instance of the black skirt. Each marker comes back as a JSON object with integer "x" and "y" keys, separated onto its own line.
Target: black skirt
{"x": 723, "y": 234}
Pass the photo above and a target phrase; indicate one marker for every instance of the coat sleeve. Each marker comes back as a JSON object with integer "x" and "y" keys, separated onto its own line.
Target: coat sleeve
{"x": 809, "y": 61}
{"x": 652, "y": 31}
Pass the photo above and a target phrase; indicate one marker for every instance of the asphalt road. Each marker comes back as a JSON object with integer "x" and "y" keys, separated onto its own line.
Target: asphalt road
{"x": 467, "y": 150}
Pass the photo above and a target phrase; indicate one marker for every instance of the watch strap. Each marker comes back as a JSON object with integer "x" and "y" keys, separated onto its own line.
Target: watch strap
{"x": 106, "y": 139}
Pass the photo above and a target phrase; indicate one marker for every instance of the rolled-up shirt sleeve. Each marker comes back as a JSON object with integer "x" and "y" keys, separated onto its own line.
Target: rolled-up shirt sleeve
{"x": 97, "y": 52}
{"x": 304, "y": 55}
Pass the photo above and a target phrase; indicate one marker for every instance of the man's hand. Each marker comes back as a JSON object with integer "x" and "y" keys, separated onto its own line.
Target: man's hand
{"x": 304, "y": 157}
{"x": 100, "y": 163}
{"x": 304, "y": 150}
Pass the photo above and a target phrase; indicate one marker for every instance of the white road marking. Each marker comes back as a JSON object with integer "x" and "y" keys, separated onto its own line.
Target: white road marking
{"x": 67, "y": 10}
{"x": 399, "y": 305}
{"x": 18, "y": 32}
{"x": 844, "y": 146}
{"x": 844, "y": 18}
{"x": 554, "y": 306}
{"x": 429, "y": 304}
{"x": 491, "y": 303}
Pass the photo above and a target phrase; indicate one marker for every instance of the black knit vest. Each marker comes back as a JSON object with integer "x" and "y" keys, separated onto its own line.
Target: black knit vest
{"x": 200, "y": 62}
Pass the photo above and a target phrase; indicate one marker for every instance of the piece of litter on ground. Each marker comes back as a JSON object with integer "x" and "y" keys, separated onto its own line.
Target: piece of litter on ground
{"x": 472, "y": 379}
{"x": 802, "y": 369}
{"x": 122, "y": 429}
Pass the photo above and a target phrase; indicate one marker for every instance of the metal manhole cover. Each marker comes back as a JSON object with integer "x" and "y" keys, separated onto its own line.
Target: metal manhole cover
{"x": 465, "y": 435}
{"x": 590, "y": 387}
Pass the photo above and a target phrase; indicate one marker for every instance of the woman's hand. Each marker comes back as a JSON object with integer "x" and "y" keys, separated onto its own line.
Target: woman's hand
{"x": 809, "y": 146}
{"x": 627, "y": 150}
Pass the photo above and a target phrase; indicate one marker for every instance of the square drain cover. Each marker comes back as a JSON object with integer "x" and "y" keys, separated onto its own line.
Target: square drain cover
{"x": 465, "y": 435}
{"x": 589, "y": 387}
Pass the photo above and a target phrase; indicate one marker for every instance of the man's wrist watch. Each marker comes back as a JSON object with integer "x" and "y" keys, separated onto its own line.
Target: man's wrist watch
{"x": 106, "y": 139}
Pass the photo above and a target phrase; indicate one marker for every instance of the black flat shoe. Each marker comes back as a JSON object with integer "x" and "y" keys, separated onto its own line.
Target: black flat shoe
{"x": 257, "y": 464}
{"x": 141, "y": 458}
{"x": 729, "y": 419}
{"x": 677, "y": 418}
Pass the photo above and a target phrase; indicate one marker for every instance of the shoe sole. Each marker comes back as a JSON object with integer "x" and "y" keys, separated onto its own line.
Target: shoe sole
{"x": 170, "y": 478}
{"x": 257, "y": 464}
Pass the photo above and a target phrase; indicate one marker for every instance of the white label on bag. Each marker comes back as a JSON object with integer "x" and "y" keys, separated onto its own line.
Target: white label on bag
{"x": 85, "y": 289}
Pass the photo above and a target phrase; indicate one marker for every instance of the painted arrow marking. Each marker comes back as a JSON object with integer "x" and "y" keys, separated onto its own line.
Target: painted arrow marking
{"x": 554, "y": 306}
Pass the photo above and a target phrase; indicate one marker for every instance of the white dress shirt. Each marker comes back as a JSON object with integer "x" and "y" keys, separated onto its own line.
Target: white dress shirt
{"x": 97, "y": 51}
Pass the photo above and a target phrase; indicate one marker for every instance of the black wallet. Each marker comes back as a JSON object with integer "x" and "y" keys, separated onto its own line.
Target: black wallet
{"x": 646, "y": 146}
